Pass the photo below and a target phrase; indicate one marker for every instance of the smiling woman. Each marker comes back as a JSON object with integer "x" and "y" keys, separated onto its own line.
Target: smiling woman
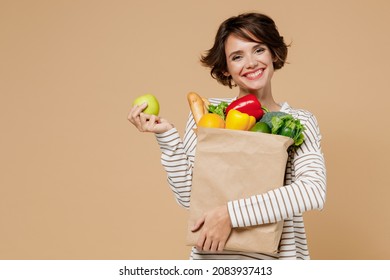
{"x": 246, "y": 51}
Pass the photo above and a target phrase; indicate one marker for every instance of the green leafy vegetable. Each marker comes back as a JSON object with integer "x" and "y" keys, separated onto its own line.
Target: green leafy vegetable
{"x": 284, "y": 124}
{"x": 269, "y": 115}
{"x": 219, "y": 109}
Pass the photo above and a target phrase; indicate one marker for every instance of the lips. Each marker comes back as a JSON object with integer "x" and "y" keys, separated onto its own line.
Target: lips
{"x": 253, "y": 75}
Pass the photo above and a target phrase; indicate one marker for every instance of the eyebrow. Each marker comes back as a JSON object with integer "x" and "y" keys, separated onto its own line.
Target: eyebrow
{"x": 240, "y": 51}
{"x": 234, "y": 53}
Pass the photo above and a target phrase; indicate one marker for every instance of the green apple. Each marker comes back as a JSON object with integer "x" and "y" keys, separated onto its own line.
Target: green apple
{"x": 153, "y": 105}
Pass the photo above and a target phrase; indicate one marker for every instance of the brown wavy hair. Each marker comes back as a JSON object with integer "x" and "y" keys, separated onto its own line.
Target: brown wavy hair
{"x": 254, "y": 27}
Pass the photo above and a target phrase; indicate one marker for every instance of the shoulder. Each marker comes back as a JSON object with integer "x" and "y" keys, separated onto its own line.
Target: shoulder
{"x": 306, "y": 117}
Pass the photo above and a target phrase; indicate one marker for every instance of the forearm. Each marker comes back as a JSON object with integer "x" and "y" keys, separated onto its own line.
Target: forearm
{"x": 306, "y": 193}
{"x": 177, "y": 159}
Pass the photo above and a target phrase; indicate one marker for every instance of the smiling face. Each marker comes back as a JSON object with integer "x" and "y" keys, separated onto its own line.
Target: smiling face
{"x": 250, "y": 64}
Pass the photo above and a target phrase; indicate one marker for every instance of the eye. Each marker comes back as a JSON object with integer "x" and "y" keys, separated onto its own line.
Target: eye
{"x": 236, "y": 57}
{"x": 259, "y": 50}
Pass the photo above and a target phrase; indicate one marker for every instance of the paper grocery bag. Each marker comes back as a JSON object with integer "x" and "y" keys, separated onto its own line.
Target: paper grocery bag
{"x": 234, "y": 164}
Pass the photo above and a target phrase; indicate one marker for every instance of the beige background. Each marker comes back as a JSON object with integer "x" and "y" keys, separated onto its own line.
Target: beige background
{"x": 79, "y": 182}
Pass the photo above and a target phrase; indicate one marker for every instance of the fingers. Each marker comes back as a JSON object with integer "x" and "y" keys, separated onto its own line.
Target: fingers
{"x": 202, "y": 237}
{"x": 134, "y": 115}
{"x": 143, "y": 122}
{"x": 205, "y": 243}
{"x": 198, "y": 224}
{"x": 208, "y": 244}
{"x": 148, "y": 123}
{"x": 136, "y": 110}
{"x": 215, "y": 230}
{"x": 200, "y": 243}
{"x": 221, "y": 246}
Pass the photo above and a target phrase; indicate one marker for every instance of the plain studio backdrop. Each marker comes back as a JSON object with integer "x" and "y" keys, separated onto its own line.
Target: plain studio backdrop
{"x": 78, "y": 181}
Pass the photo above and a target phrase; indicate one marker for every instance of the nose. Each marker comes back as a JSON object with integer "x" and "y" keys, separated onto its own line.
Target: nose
{"x": 251, "y": 62}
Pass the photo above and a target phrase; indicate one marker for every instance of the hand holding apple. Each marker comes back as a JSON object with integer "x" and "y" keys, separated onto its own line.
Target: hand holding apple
{"x": 144, "y": 115}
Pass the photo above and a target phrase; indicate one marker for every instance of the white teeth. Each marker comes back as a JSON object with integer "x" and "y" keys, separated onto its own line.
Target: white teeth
{"x": 252, "y": 75}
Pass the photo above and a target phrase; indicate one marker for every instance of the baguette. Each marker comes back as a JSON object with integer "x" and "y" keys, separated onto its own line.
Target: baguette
{"x": 206, "y": 105}
{"x": 196, "y": 104}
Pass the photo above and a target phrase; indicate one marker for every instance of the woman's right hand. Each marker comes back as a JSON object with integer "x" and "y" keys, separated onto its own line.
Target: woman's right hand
{"x": 147, "y": 123}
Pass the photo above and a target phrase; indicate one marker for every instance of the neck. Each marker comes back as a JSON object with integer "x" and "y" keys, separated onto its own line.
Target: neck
{"x": 265, "y": 97}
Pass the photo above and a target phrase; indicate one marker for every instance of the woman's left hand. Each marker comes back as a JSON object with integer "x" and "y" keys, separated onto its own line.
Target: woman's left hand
{"x": 215, "y": 228}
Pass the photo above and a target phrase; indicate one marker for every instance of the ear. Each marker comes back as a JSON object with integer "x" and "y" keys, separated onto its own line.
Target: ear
{"x": 227, "y": 74}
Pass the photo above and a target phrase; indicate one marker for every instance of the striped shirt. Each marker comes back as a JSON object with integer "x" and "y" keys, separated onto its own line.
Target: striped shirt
{"x": 304, "y": 188}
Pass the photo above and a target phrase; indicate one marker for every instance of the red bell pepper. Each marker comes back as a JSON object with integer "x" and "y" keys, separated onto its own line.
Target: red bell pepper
{"x": 248, "y": 104}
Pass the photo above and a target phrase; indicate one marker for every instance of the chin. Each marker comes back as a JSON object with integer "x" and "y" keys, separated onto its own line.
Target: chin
{"x": 254, "y": 88}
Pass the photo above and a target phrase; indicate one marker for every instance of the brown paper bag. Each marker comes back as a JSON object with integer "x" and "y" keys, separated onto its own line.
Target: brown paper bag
{"x": 233, "y": 164}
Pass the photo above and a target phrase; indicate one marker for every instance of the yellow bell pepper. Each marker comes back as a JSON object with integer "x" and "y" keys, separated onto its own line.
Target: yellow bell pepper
{"x": 239, "y": 121}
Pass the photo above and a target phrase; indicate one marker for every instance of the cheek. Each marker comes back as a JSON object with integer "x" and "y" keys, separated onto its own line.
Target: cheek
{"x": 234, "y": 68}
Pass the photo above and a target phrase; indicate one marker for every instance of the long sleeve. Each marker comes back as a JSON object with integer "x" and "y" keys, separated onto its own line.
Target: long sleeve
{"x": 305, "y": 187}
{"x": 177, "y": 158}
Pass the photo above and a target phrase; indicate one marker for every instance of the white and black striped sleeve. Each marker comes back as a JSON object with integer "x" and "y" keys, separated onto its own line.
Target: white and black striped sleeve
{"x": 177, "y": 158}
{"x": 306, "y": 192}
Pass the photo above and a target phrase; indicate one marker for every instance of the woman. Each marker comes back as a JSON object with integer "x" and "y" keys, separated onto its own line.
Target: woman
{"x": 246, "y": 52}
